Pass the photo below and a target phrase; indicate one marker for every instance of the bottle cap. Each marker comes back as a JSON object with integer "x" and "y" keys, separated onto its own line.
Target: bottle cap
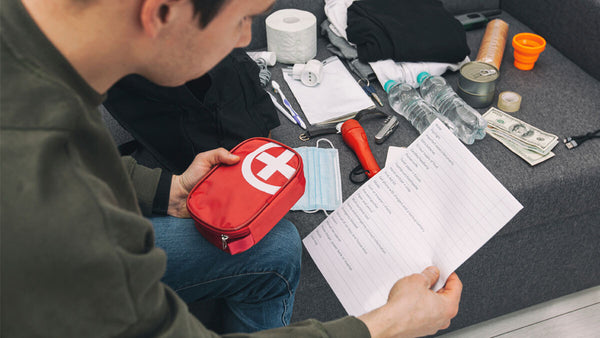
{"x": 421, "y": 77}
{"x": 388, "y": 85}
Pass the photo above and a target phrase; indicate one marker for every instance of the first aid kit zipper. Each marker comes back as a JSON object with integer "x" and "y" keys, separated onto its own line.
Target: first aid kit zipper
{"x": 224, "y": 239}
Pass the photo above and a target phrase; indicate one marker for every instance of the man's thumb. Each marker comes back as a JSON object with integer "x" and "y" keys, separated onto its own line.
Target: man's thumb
{"x": 431, "y": 274}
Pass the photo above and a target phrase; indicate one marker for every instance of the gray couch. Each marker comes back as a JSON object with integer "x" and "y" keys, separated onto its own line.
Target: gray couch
{"x": 550, "y": 248}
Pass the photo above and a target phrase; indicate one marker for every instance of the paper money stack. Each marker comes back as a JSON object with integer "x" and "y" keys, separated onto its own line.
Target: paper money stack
{"x": 530, "y": 143}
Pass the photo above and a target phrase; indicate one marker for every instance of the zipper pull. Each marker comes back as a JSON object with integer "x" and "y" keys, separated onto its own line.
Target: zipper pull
{"x": 224, "y": 239}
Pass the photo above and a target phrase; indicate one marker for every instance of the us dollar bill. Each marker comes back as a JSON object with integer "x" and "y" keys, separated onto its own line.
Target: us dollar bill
{"x": 522, "y": 144}
{"x": 519, "y": 132}
{"x": 529, "y": 156}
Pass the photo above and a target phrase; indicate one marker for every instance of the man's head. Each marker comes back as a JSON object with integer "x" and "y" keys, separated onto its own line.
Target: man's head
{"x": 207, "y": 9}
{"x": 183, "y": 48}
{"x": 169, "y": 42}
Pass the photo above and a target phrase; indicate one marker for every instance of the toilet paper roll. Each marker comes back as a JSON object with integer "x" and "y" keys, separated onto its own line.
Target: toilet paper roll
{"x": 292, "y": 35}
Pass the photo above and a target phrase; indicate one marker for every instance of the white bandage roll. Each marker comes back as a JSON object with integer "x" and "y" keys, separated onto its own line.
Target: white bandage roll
{"x": 292, "y": 35}
{"x": 269, "y": 57}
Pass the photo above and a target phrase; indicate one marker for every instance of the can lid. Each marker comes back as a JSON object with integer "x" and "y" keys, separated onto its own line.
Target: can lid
{"x": 480, "y": 72}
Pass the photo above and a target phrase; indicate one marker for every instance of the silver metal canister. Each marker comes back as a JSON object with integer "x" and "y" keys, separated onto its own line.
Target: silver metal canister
{"x": 477, "y": 83}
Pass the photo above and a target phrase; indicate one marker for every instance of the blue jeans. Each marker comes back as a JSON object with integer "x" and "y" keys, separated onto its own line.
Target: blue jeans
{"x": 257, "y": 286}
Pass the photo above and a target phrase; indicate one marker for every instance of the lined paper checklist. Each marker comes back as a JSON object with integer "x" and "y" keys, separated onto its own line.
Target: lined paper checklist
{"x": 434, "y": 205}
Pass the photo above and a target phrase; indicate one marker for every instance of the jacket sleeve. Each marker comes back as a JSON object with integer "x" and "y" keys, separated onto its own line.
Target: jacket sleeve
{"x": 169, "y": 317}
{"x": 152, "y": 186}
{"x": 347, "y": 327}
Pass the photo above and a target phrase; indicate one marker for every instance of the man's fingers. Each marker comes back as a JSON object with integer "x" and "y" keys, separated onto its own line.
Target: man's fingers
{"x": 453, "y": 288}
{"x": 431, "y": 275}
{"x": 220, "y": 155}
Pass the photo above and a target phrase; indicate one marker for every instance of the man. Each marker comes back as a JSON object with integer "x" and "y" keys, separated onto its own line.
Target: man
{"x": 78, "y": 257}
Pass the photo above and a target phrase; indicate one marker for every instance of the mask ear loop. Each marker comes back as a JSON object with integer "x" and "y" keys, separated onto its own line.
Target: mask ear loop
{"x": 317, "y": 210}
{"x": 324, "y": 140}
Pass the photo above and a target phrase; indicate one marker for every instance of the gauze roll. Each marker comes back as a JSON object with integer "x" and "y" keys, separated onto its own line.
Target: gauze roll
{"x": 292, "y": 35}
{"x": 269, "y": 57}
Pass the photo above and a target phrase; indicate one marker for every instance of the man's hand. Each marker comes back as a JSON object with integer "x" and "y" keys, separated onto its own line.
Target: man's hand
{"x": 182, "y": 184}
{"x": 413, "y": 309}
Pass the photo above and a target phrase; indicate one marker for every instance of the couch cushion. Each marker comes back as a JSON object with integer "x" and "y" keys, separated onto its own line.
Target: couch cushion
{"x": 560, "y": 196}
{"x": 558, "y": 97}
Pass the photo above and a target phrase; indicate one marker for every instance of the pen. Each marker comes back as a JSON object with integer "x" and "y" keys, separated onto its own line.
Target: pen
{"x": 281, "y": 109}
{"x": 287, "y": 104}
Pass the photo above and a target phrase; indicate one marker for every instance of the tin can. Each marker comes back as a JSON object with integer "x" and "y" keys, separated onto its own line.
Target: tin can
{"x": 477, "y": 83}
{"x": 476, "y": 100}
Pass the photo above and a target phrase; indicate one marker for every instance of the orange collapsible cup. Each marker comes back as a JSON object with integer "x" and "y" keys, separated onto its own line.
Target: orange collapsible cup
{"x": 528, "y": 47}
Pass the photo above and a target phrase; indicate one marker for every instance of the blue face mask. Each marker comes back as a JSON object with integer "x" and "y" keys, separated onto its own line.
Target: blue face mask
{"x": 323, "y": 181}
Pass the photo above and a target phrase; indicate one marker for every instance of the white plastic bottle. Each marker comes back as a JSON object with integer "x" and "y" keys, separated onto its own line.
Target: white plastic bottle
{"x": 406, "y": 101}
{"x": 470, "y": 126}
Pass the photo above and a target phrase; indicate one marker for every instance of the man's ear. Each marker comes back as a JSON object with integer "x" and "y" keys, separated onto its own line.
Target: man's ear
{"x": 154, "y": 15}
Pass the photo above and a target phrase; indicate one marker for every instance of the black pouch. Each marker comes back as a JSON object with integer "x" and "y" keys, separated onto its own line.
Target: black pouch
{"x": 171, "y": 125}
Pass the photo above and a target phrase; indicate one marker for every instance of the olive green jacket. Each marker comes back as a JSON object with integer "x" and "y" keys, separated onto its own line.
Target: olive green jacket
{"x": 77, "y": 256}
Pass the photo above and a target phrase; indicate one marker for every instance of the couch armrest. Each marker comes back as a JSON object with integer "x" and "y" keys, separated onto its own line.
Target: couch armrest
{"x": 572, "y": 27}
{"x": 466, "y": 6}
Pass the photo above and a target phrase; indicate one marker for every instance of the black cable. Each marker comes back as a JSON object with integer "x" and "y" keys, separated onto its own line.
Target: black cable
{"x": 575, "y": 141}
{"x": 358, "y": 175}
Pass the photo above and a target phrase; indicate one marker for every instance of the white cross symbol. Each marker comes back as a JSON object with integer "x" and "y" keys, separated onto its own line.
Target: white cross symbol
{"x": 274, "y": 164}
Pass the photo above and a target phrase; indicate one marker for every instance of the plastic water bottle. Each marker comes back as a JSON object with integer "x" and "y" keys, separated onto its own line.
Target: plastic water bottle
{"x": 470, "y": 126}
{"x": 406, "y": 101}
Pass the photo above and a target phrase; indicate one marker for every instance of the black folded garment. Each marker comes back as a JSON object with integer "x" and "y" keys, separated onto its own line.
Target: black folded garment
{"x": 405, "y": 30}
{"x": 171, "y": 125}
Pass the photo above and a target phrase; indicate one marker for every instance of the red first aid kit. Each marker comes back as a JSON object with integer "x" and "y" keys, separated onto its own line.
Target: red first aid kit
{"x": 235, "y": 206}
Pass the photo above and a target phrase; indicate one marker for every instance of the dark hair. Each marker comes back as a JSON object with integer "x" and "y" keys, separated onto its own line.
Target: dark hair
{"x": 207, "y": 9}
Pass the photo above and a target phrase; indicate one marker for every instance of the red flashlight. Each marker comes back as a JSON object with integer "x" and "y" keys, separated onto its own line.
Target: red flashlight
{"x": 354, "y": 136}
